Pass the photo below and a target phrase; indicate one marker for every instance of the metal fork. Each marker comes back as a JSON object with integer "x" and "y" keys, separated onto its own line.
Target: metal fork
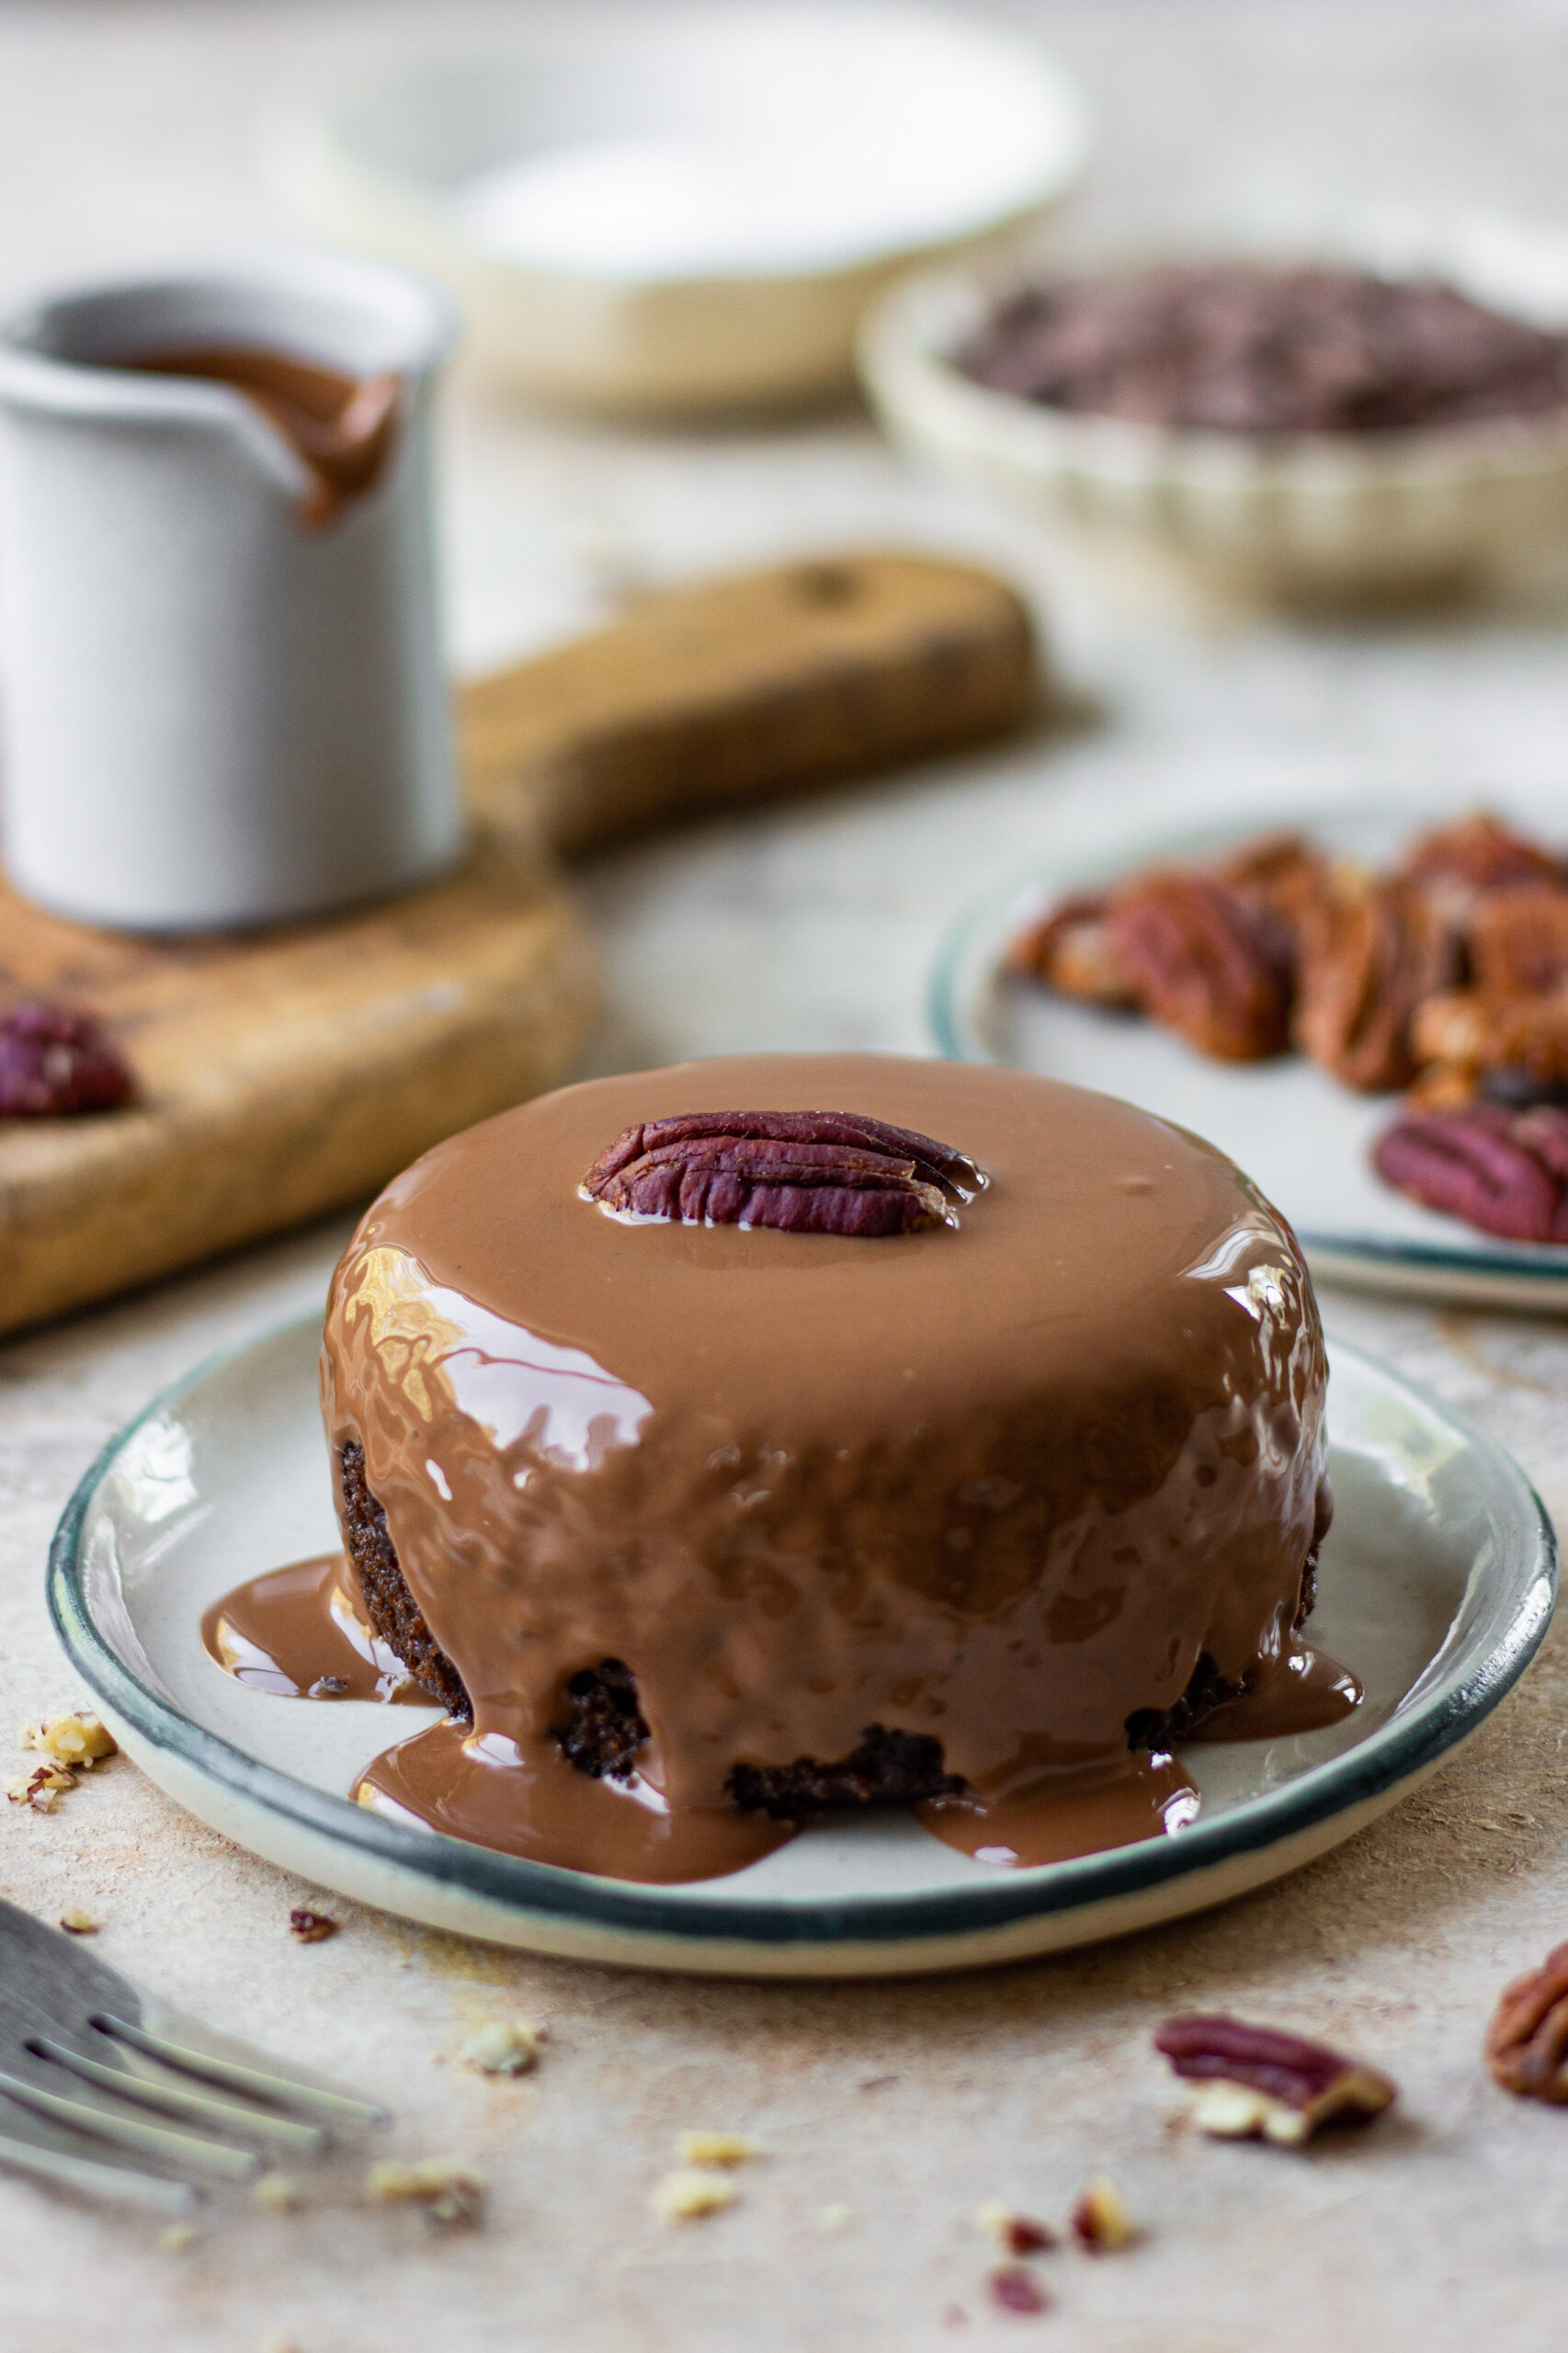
{"x": 104, "y": 2089}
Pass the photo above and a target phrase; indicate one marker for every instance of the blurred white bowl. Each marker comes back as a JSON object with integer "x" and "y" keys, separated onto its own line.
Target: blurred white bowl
{"x": 691, "y": 207}
{"x": 1326, "y": 515}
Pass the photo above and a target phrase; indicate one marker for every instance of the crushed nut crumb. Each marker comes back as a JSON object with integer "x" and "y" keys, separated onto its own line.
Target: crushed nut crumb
{"x": 691, "y": 2190}
{"x": 450, "y": 2192}
{"x": 509, "y": 2047}
{"x": 714, "y": 2149}
{"x": 40, "y": 1789}
{"x": 837, "y": 2218}
{"x": 310, "y": 1927}
{"x": 277, "y": 2193}
{"x": 1100, "y": 2217}
{"x": 76, "y": 1739}
{"x": 80, "y": 1922}
{"x": 1015, "y": 2233}
{"x": 1014, "y": 2289}
{"x": 175, "y": 2238}
{"x": 278, "y": 2340}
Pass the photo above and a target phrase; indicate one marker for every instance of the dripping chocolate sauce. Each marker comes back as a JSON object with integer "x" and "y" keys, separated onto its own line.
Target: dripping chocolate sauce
{"x": 300, "y": 1632}
{"x": 341, "y": 425}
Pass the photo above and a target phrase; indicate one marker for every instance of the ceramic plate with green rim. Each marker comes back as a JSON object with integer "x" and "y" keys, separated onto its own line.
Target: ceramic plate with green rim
{"x": 1437, "y": 1583}
{"x": 1304, "y": 1138}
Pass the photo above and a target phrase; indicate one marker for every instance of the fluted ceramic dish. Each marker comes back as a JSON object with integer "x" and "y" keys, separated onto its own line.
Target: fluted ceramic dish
{"x": 1437, "y": 1583}
{"x": 1303, "y": 1137}
{"x": 1329, "y": 515}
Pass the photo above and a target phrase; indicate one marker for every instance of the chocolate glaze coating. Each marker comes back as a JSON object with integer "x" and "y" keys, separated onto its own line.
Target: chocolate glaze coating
{"x": 998, "y": 1485}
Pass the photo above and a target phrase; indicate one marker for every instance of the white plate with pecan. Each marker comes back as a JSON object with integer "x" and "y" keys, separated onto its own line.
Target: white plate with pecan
{"x": 1436, "y": 1585}
{"x": 1276, "y": 993}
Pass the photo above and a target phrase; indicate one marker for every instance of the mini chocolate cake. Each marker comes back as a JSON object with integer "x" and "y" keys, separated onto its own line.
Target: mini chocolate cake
{"x": 717, "y": 1468}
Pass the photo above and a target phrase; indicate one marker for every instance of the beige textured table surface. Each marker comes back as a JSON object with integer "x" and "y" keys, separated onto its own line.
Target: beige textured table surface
{"x": 122, "y": 136}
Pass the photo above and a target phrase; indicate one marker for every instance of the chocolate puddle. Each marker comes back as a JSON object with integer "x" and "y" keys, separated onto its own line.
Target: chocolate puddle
{"x": 342, "y": 425}
{"x": 299, "y": 1632}
{"x": 525, "y": 1799}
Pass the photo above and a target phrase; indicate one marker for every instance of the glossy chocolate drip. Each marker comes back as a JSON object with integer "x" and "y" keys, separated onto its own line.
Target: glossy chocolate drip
{"x": 300, "y": 1632}
{"x": 341, "y": 425}
{"x": 1000, "y": 1485}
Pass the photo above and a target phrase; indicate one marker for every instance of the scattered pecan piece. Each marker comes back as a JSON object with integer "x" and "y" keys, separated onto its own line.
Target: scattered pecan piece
{"x": 1527, "y": 2043}
{"x": 77, "y": 1740}
{"x": 1256, "y": 2084}
{"x": 506, "y": 2046}
{"x": 1014, "y": 2289}
{"x": 1100, "y": 2219}
{"x": 796, "y": 1172}
{"x": 1478, "y": 1164}
{"x": 54, "y": 1062}
{"x": 450, "y": 2191}
{"x": 1370, "y": 952}
{"x": 310, "y": 1927}
{"x": 1481, "y": 1031}
{"x": 1015, "y": 2233}
{"x": 1073, "y": 951}
{"x": 1206, "y": 964}
{"x": 41, "y": 1788}
{"x": 691, "y": 2192}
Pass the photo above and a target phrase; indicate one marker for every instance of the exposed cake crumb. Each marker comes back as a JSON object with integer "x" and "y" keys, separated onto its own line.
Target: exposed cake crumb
{"x": 175, "y": 2238}
{"x": 1014, "y": 2233}
{"x": 80, "y": 1922}
{"x": 448, "y": 2191}
{"x": 277, "y": 2193}
{"x": 1014, "y": 2289}
{"x": 714, "y": 2149}
{"x": 310, "y": 1927}
{"x": 837, "y": 2218}
{"x": 690, "y": 2192}
{"x": 41, "y": 1789}
{"x": 506, "y": 2047}
{"x": 1100, "y": 2217}
{"x": 77, "y": 1739}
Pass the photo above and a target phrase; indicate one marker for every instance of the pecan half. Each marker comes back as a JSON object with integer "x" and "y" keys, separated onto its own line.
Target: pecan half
{"x": 1256, "y": 2084}
{"x": 54, "y": 1062}
{"x": 1517, "y": 940}
{"x": 1073, "y": 951}
{"x": 1278, "y": 875}
{"x": 1206, "y": 963}
{"x": 1527, "y": 2043}
{"x": 1479, "y": 1163}
{"x": 796, "y": 1172}
{"x": 1480, "y": 1031}
{"x": 1369, "y": 953}
{"x": 1481, "y": 853}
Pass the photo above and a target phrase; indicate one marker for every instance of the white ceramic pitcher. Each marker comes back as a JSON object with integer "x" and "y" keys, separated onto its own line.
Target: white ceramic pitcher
{"x": 213, "y": 714}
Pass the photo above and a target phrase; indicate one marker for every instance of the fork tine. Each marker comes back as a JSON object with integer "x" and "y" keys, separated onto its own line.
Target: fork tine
{"x": 183, "y": 2151}
{"x": 259, "y": 2083}
{"x": 195, "y": 2108}
{"x": 104, "y": 2181}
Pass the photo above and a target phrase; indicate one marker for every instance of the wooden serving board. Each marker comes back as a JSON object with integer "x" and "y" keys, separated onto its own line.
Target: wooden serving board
{"x": 283, "y": 1074}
